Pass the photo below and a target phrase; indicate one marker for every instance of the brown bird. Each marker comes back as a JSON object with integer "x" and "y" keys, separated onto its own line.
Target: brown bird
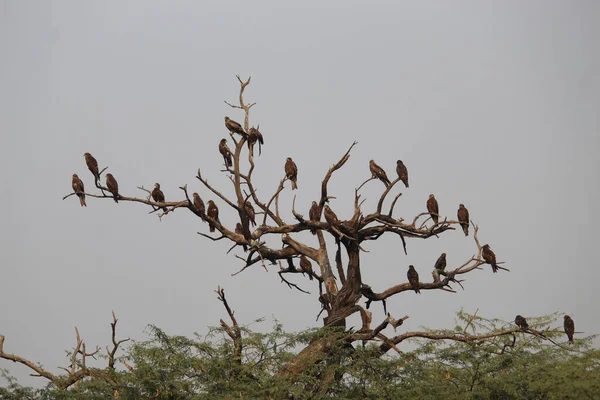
{"x": 213, "y": 212}
{"x": 226, "y": 153}
{"x": 314, "y": 214}
{"x": 254, "y": 136}
{"x": 92, "y": 164}
{"x": 238, "y": 230}
{"x": 413, "y": 278}
{"x": 113, "y": 186}
{"x": 440, "y": 264}
{"x": 489, "y": 257}
{"x": 199, "y": 204}
{"x": 251, "y": 213}
{"x": 79, "y": 189}
{"x": 521, "y": 322}
{"x": 402, "y": 172}
{"x": 569, "y": 328}
{"x": 330, "y": 216}
{"x": 433, "y": 208}
{"x": 379, "y": 173}
{"x": 291, "y": 172}
{"x": 234, "y": 127}
{"x": 463, "y": 218}
{"x": 158, "y": 196}
{"x": 306, "y": 266}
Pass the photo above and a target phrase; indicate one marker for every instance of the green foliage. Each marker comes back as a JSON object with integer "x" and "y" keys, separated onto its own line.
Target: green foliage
{"x": 503, "y": 367}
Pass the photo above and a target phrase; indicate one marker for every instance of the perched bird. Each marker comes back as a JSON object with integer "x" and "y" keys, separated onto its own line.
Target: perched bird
{"x": 402, "y": 172}
{"x": 254, "y": 136}
{"x": 234, "y": 127}
{"x": 314, "y": 214}
{"x": 226, "y": 153}
{"x": 440, "y": 264}
{"x": 569, "y": 328}
{"x": 291, "y": 171}
{"x": 213, "y": 212}
{"x": 199, "y": 204}
{"x": 92, "y": 164}
{"x": 251, "y": 213}
{"x": 238, "y": 230}
{"x": 433, "y": 208}
{"x": 413, "y": 278}
{"x": 366, "y": 291}
{"x": 113, "y": 186}
{"x": 463, "y": 218}
{"x": 379, "y": 173}
{"x": 330, "y": 216}
{"x": 521, "y": 322}
{"x": 79, "y": 189}
{"x": 158, "y": 196}
{"x": 489, "y": 257}
{"x": 306, "y": 266}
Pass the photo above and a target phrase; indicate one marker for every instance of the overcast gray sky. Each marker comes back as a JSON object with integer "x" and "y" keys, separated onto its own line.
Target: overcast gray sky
{"x": 490, "y": 104}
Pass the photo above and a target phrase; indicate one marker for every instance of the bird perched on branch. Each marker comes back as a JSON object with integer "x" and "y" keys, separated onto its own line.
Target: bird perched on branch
{"x": 440, "y": 264}
{"x": 250, "y": 212}
{"x": 238, "y": 230}
{"x": 79, "y": 189}
{"x": 463, "y": 218}
{"x": 569, "y": 328}
{"x": 330, "y": 216}
{"x": 521, "y": 322}
{"x": 291, "y": 172}
{"x": 113, "y": 186}
{"x": 199, "y": 204}
{"x": 489, "y": 256}
{"x": 158, "y": 196}
{"x": 379, "y": 173}
{"x": 254, "y": 136}
{"x": 226, "y": 153}
{"x": 213, "y": 212}
{"x": 234, "y": 127}
{"x": 306, "y": 266}
{"x": 92, "y": 165}
{"x": 413, "y": 278}
{"x": 402, "y": 172}
{"x": 366, "y": 291}
{"x": 433, "y": 208}
{"x": 314, "y": 214}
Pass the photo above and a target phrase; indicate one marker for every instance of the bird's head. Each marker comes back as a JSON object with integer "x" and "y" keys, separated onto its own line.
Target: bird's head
{"x": 411, "y": 267}
{"x": 461, "y": 205}
{"x": 371, "y": 162}
{"x": 399, "y": 162}
{"x": 443, "y": 255}
{"x": 314, "y": 203}
{"x": 486, "y": 246}
{"x": 223, "y": 141}
{"x": 75, "y": 176}
{"x": 288, "y": 159}
{"x": 226, "y": 119}
{"x": 109, "y": 176}
{"x": 566, "y": 317}
{"x": 157, "y": 185}
{"x": 87, "y": 155}
{"x": 431, "y": 196}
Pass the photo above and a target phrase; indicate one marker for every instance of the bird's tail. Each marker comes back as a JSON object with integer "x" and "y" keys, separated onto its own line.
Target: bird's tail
{"x": 116, "y": 198}
{"x": 571, "y": 341}
{"x": 294, "y": 185}
{"x": 82, "y": 201}
{"x": 494, "y": 268}
{"x": 212, "y": 228}
{"x": 313, "y": 231}
{"x": 164, "y": 209}
{"x": 465, "y": 229}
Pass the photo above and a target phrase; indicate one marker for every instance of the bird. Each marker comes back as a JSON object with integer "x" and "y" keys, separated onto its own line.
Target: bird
{"x": 521, "y": 322}
{"x": 413, "y": 278}
{"x": 254, "y": 136}
{"x": 92, "y": 164}
{"x": 433, "y": 208}
{"x": 366, "y": 291}
{"x": 251, "y": 213}
{"x": 330, "y": 216}
{"x": 314, "y": 214}
{"x": 402, "y": 172}
{"x": 306, "y": 266}
{"x": 238, "y": 230}
{"x": 291, "y": 172}
{"x": 440, "y": 264}
{"x": 226, "y": 153}
{"x": 569, "y": 328}
{"x": 234, "y": 126}
{"x": 379, "y": 173}
{"x": 463, "y": 218}
{"x": 79, "y": 189}
{"x": 489, "y": 257}
{"x": 158, "y": 196}
{"x": 213, "y": 212}
{"x": 199, "y": 204}
{"x": 113, "y": 186}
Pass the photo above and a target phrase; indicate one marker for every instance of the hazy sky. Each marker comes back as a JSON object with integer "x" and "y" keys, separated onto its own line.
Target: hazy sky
{"x": 491, "y": 104}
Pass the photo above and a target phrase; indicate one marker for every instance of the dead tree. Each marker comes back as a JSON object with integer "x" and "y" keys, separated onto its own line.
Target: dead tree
{"x": 340, "y": 286}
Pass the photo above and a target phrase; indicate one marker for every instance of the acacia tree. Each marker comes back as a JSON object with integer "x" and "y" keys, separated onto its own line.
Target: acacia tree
{"x": 339, "y": 283}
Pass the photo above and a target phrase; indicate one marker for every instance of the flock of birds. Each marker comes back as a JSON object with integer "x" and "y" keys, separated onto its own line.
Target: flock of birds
{"x": 254, "y": 136}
